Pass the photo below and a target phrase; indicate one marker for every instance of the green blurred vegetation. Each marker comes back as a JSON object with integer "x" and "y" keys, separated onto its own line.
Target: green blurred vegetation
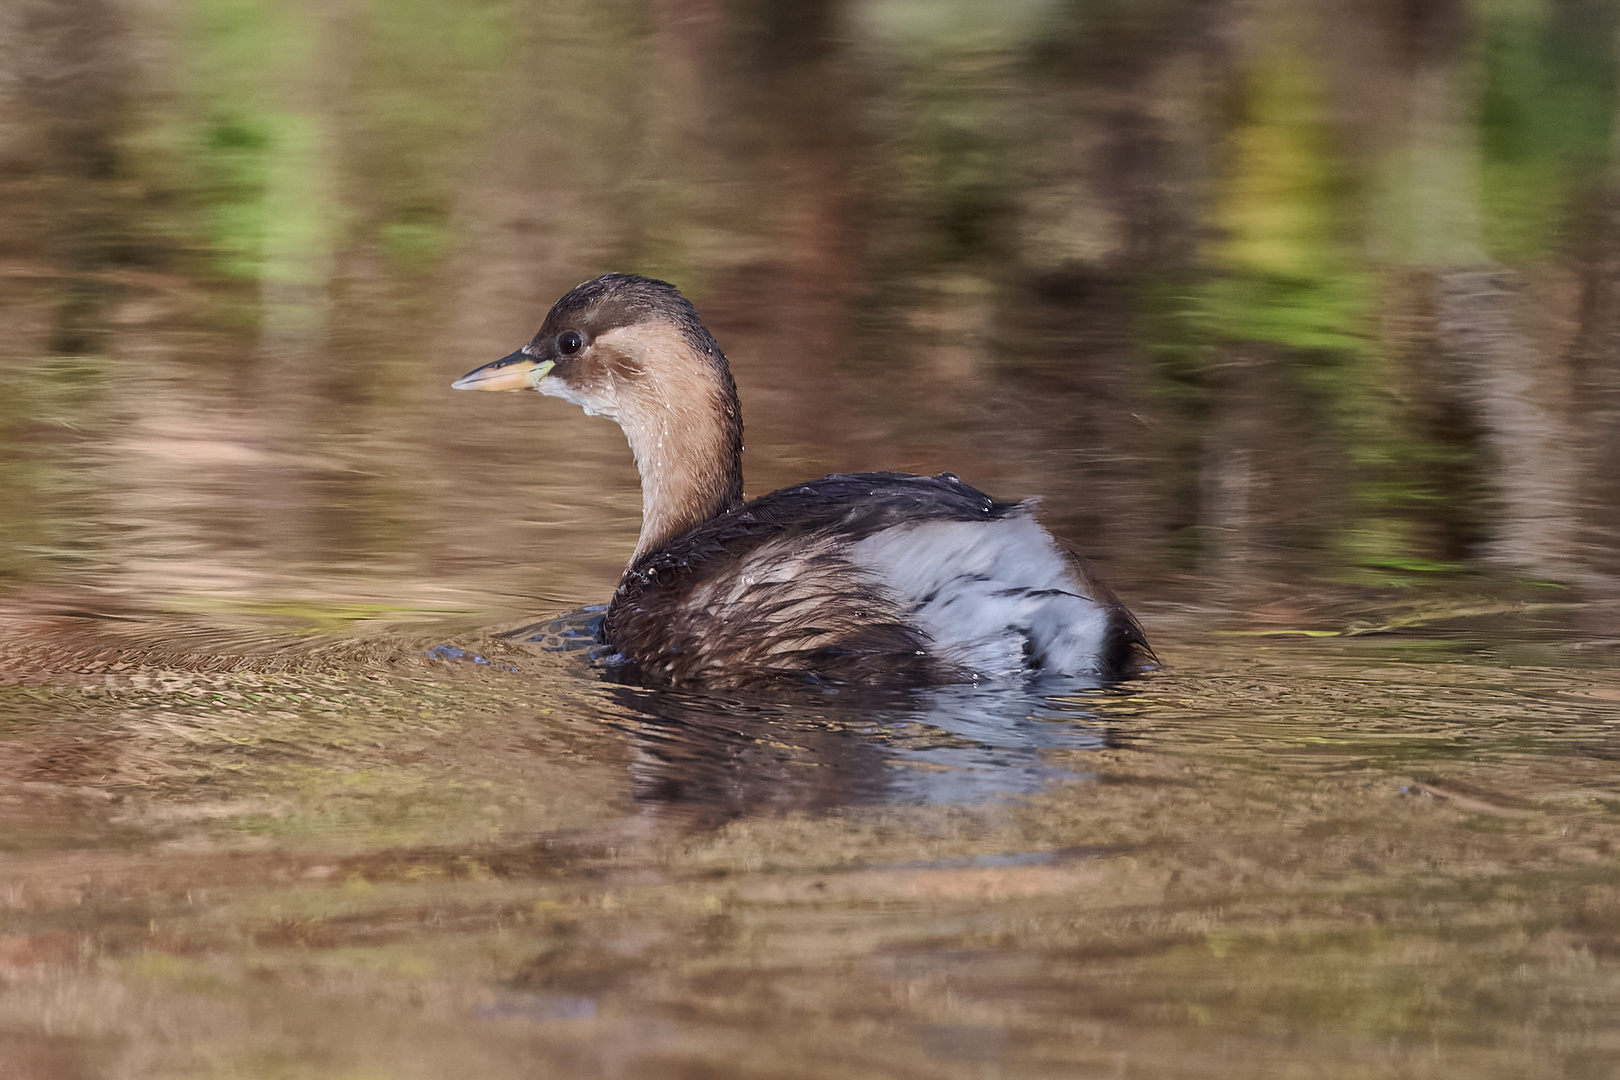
{"x": 285, "y": 109}
{"x": 1546, "y": 118}
{"x": 1289, "y": 274}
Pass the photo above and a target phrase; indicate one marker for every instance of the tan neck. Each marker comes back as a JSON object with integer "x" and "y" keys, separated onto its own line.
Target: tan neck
{"x": 684, "y": 481}
{"x": 686, "y": 434}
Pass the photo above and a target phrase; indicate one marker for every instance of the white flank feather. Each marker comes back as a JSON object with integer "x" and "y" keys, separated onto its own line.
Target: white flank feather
{"x": 997, "y": 597}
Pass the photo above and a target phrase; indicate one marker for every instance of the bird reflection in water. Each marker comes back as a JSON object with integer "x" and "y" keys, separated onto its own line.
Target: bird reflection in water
{"x": 717, "y": 755}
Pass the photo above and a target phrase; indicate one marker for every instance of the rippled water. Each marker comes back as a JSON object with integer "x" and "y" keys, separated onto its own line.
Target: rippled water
{"x": 1301, "y": 321}
{"x": 1280, "y": 856}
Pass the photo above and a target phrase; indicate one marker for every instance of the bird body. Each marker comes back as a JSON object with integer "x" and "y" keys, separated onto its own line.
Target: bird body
{"x": 866, "y": 577}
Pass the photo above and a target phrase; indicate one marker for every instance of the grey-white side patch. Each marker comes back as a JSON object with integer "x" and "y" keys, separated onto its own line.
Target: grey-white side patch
{"x": 996, "y": 597}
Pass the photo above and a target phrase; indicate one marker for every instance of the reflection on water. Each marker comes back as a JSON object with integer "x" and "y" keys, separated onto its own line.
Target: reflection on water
{"x": 805, "y": 752}
{"x": 1252, "y": 298}
{"x": 1300, "y": 318}
{"x": 818, "y": 746}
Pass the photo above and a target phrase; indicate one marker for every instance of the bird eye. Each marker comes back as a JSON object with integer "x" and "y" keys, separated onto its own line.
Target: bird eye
{"x": 569, "y": 342}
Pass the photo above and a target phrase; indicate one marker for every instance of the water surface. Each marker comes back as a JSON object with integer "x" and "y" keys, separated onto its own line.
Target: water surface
{"x": 1343, "y": 857}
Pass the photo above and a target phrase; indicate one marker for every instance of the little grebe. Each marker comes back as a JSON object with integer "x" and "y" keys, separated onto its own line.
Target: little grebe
{"x": 864, "y": 576}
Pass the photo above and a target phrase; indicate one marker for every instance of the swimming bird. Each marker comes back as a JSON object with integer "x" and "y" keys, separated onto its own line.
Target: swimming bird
{"x": 865, "y": 577}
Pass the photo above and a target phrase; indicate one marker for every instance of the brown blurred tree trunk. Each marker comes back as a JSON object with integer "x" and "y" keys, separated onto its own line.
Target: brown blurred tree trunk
{"x": 1495, "y": 364}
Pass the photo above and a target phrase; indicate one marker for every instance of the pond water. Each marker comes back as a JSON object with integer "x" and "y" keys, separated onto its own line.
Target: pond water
{"x": 1304, "y": 325}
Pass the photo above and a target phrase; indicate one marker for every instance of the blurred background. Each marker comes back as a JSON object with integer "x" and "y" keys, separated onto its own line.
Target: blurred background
{"x": 1265, "y": 299}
